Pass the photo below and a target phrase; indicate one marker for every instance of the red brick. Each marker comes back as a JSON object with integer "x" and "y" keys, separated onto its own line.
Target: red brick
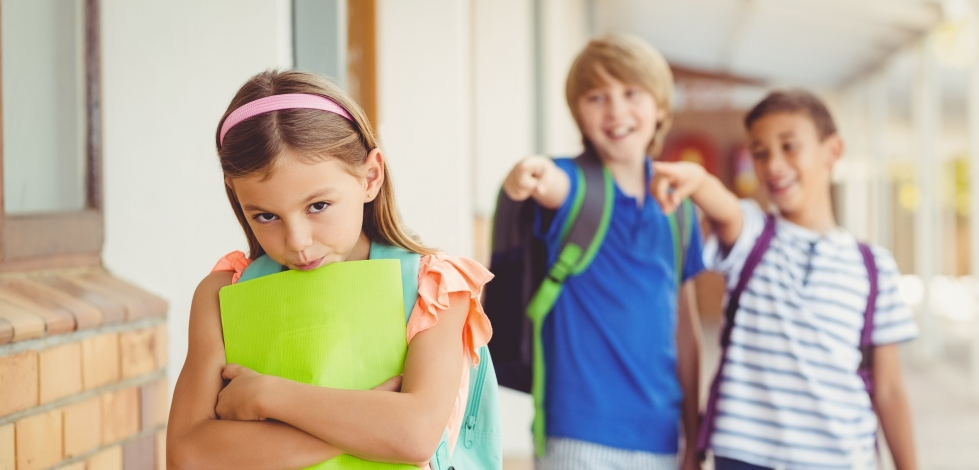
{"x": 154, "y": 402}
{"x": 120, "y": 414}
{"x": 38, "y": 440}
{"x": 109, "y": 459}
{"x": 137, "y": 352}
{"x": 26, "y": 324}
{"x": 7, "y": 461}
{"x": 112, "y": 312}
{"x": 86, "y": 315}
{"x": 140, "y": 454}
{"x": 160, "y": 346}
{"x": 100, "y": 360}
{"x": 60, "y": 371}
{"x": 18, "y": 382}
{"x": 161, "y": 450}
{"x": 56, "y": 319}
{"x": 83, "y": 426}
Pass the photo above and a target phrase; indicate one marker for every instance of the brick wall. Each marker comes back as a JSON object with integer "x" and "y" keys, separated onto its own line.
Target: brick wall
{"x": 82, "y": 373}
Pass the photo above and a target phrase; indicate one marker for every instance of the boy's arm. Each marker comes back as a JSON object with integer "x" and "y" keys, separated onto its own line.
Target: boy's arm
{"x": 540, "y": 178}
{"x": 688, "y": 345}
{"x": 891, "y": 402}
{"x": 672, "y": 182}
{"x": 195, "y": 437}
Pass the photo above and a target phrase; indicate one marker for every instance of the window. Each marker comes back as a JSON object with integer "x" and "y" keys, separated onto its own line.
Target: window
{"x": 51, "y": 134}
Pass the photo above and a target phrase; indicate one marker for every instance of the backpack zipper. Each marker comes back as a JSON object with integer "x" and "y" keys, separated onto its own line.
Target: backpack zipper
{"x": 472, "y": 408}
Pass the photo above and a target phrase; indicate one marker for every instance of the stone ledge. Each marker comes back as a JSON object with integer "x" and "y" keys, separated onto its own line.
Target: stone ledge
{"x": 47, "y": 303}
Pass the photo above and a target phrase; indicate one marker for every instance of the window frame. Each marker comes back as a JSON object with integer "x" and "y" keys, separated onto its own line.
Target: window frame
{"x": 65, "y": 239}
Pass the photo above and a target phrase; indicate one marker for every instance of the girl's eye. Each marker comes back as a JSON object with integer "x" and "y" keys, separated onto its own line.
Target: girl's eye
{"x": 630, "y": 93}
{"x": 265, "y": 217}
{"x": 318, "y": 207}
{"x": 596, "y": 98}
{"x": 788, "y": 146}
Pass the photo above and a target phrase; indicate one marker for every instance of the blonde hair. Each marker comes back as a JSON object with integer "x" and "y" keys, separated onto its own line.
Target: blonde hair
{"x": 630, "y": 60}
{"x": 254, "y": 146}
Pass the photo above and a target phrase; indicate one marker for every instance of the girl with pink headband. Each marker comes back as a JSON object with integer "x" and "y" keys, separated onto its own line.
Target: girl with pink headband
{"x": 310, "y": 187}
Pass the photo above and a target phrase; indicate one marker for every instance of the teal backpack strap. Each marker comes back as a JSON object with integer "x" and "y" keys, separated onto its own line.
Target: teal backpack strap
{"x": 582, "y": 235}
{"x": 681, "y": 225}
{"x": 262, "y": 266}
{"x": 410, "y": 263}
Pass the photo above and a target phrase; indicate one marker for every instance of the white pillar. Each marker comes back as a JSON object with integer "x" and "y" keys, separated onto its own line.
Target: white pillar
{"x": 926, "y": 109}
{"x": 878, "y": 115}
{"x": 973, "y": 132}
{"x": 425, "y": 115}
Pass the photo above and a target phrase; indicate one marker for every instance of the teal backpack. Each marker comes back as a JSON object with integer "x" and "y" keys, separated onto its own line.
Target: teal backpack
{"x": 478, "y": 446}
{"x": 525, "y": 288}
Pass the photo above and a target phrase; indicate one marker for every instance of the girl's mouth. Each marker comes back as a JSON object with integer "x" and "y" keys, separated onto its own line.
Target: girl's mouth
{"x": 310, "y": 266}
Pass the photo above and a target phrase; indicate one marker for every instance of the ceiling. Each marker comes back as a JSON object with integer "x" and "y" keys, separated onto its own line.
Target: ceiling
{"x": 813, "y": 43}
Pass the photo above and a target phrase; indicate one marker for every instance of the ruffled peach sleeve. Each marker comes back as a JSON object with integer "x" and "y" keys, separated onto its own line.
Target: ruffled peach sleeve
{"x": 235, "y": 262}
{"x": 438, "y": 276}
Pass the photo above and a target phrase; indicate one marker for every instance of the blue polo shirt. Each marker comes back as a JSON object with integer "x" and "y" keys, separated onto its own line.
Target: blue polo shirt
{"x": 610, "y": 341}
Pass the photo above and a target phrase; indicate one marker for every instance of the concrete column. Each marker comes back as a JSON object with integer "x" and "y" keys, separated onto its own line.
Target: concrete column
{"x": 926, "y": 110}
{"x": 425, "y": 111}
{"x": 880, "y": 188}
{"x": 973, "y": 131}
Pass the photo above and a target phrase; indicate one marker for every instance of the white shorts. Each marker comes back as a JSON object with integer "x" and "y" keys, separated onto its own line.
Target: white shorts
{"x": 572, "y": 454}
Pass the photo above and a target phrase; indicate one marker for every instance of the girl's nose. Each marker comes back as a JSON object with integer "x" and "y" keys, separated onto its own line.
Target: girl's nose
{"x": 299, "y": 236}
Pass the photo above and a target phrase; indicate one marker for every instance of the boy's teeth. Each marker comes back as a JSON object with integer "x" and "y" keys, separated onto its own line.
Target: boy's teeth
{"x": 620, "y": 131}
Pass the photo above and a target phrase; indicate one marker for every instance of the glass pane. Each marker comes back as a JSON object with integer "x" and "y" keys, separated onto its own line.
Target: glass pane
{"x": 44, "y": 112}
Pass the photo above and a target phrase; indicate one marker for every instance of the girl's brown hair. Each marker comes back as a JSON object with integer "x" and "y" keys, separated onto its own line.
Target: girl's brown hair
{"x": 255, "y": 146}
{"x": 630, "y": 60}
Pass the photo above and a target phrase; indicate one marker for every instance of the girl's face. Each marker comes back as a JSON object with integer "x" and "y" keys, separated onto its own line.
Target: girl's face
{"x": 619, "y": 118}
{"x": 309, "y": 212}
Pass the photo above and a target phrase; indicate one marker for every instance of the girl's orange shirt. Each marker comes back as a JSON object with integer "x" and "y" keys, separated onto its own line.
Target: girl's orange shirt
{"x": 438, "y": 276}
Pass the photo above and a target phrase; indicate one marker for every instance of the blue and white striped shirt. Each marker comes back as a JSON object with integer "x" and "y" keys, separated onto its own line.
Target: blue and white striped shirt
{"x": 790, "y": 396}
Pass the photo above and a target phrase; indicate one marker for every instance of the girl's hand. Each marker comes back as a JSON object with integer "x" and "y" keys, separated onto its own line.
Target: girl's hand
{"x": 526, "y": 179}
{"x": 239, "y": 400}
{"x": 674, "y": 182}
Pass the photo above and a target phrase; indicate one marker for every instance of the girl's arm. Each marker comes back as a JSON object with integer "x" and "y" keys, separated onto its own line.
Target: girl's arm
{"x": 672, "y": 182}
{"x": 379, "y": 426}
{"x": 891, "y": 402}
{"x": 540, "y": 178}
{"x": 688, "y": 344}
{"x": 195, "y": 437}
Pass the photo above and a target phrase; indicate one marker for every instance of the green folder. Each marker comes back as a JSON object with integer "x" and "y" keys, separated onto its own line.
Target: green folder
{"x": 339, "y": 326}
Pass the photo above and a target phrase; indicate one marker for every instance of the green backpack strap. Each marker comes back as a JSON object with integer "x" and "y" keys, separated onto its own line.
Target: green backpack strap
{"x": 582, "y": 235}
{"x": 409, "y": 271}
{"x": 681, "y": 224}
{"x": 262, "y": 266}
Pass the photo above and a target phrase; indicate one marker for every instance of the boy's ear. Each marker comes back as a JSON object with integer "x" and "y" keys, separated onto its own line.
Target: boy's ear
{"x": 373, "y": 174}
{"x": 835, "y": 148}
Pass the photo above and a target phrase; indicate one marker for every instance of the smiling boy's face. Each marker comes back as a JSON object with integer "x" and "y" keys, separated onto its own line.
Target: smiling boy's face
{"x": 793, "y": 162}
{"x": 618, "y": 118}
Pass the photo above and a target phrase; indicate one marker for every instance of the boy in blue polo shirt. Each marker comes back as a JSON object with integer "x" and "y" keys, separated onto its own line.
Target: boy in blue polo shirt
{"x": 622, "y": 366}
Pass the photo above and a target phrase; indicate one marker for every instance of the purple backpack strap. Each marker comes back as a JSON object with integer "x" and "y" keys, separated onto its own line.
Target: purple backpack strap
{"x": 734, "y": 297}
{"x": 866, "y": 343}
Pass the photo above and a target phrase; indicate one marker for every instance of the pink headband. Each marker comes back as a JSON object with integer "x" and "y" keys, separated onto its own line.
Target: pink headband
{"x": 280, "y": 102}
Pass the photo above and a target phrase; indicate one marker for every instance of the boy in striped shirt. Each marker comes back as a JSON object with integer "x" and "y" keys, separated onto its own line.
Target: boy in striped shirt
{"x": 788, "y": 393}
